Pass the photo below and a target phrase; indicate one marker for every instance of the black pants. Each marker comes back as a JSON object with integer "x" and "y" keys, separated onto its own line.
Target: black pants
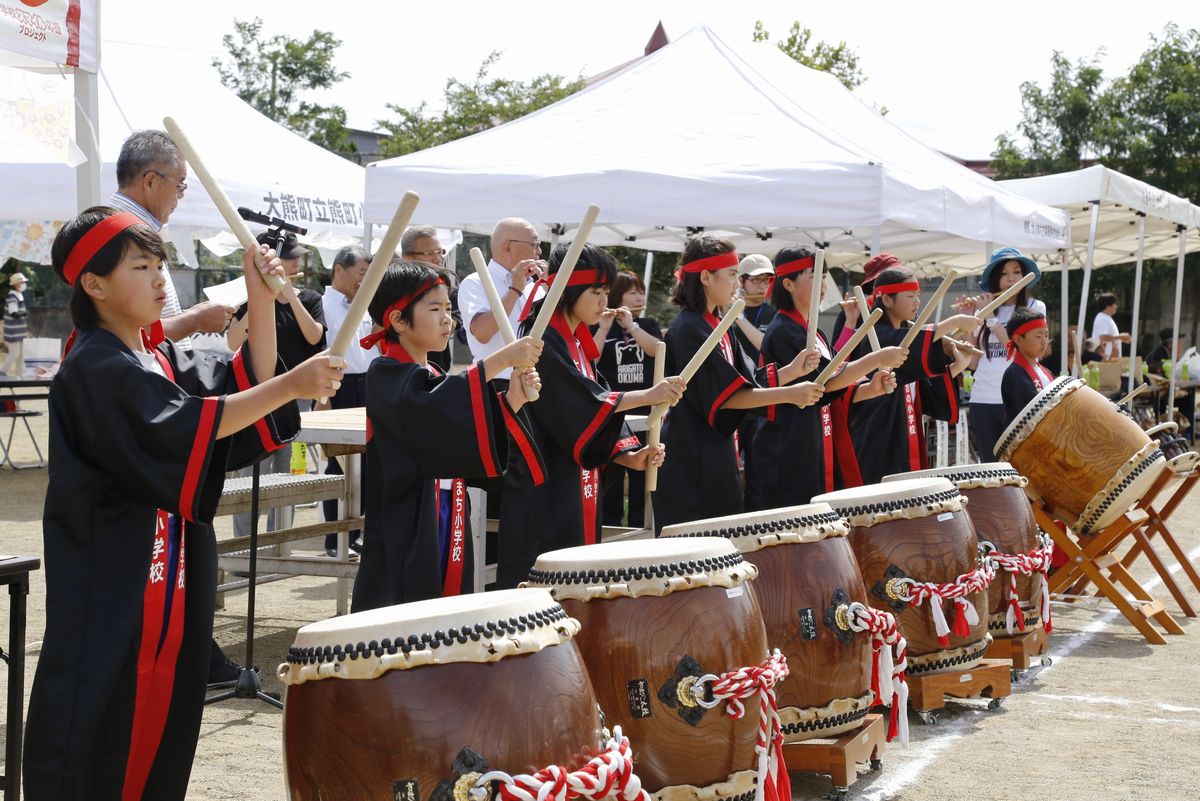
{"x": 352, "y": 393}
{"x": 988, "y": 421}
{"x": 614, "y": 494}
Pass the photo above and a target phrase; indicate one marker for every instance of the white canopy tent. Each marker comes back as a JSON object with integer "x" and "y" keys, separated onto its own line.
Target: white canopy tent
{"x": 735, "y": 140}
{"x": 260, "y": 164}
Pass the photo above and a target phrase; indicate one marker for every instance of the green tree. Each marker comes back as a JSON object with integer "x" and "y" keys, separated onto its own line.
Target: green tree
{"x": 1059, "y": 125}
{"x": 272, "y": 74}
{"x": 472, "y": 107}
{"x": 837, "y": 59}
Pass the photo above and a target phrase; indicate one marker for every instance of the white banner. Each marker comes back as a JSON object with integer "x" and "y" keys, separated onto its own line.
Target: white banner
{"x": 63, "y": 31}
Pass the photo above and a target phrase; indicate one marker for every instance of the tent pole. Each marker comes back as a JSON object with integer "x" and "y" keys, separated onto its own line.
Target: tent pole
{"x": 87, "y": 135}
{"x": 1134, "y": 378}
{"x": 1064, "y": 314}
{"x": 649, "y": 270}
{"x": 367, "y": 232}
{"x": 875, "y": 245}
{"x": 1081, "y": 333}
{"x": 1175, "y": 325}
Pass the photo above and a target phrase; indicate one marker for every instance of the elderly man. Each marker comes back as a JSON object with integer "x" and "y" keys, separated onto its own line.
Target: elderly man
{"x": 515, "y": 267}
{"x": 349, "y": 268}
{"x": 151, "y": 180}
{"x": 420, "y": 243}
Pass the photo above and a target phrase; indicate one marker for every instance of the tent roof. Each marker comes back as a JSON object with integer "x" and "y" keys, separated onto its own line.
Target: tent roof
{"x": 736, "y": 140}
{"x": 255, "y": 159}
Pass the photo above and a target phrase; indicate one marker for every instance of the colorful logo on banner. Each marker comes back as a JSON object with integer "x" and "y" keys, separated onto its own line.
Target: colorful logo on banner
{"x": 61, "y": 31}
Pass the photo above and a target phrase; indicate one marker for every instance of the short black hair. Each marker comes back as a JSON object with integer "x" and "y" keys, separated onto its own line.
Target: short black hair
{"x": 592, "y": 257}
{"x": 401, "y": 278}
{"x": 689, "y": 292}
{"x": 1020, "y": 316}
{"x": 83, "y": 311}
{"x": 780, "y": 297}
{"x": 1105, "y": 299}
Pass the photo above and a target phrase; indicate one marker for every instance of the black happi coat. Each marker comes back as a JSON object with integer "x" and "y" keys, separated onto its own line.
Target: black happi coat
{"x": 1018, "y": 386}
{"x": 578, "y": 430}
{"x": 128, "y": 633}
{"x": 423, "y": 427}
{"x": 700, "y": 476}
{"x": 888, "y": 436}
{"x": 795, "y": 450}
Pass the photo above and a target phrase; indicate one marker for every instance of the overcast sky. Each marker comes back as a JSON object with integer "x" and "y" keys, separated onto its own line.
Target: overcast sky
{"x": 949, "y": 72}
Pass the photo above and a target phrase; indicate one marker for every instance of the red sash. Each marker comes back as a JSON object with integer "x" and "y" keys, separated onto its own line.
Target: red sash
{"x": 826, "y": 411}
{"x": 912, "y": 422}
{"x": 1034, "y": 369}
{"x": 456, "y": 554}
{"x": 589, "y": 479}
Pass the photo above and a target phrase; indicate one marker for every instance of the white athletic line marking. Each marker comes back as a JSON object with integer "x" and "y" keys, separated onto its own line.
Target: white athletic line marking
{"x": 893, "y": 781}
{"x": 35, "y": 644}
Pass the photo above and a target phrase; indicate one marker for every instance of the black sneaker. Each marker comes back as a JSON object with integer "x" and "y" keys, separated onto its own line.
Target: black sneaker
{"x": 223, "y": 671}
{"x": 356, "y": 547}
{"x": 331, "y": 552}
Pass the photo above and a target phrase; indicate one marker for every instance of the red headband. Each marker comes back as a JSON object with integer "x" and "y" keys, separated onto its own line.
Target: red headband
{"x": 90, "y": 243}
{"x": 797, "y": 266}
{"x": 891, "y": 289}
{"x": 585, "y": 277}
{"x": 371, "y": 340}
{"x": 1024, "y": 328}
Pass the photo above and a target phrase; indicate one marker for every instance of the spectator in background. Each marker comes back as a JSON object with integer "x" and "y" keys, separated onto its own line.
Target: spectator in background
{"x": 420, "y": 243}
{"x": 1104, "y": 327}
{"x": 15, "y": 316}
{"x": 627, "y": 363}
{"x": 1169, "y": 348}
{"x": 349, "y": 268}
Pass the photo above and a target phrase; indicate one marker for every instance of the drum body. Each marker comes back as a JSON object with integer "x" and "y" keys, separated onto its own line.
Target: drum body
{"x": 1086, "y": 461}
{"x": 655, "y": 615}
{"x": 916, "y": 529}
{"x": 489, "y": 682}
{"x": 806, "y": 569}
{"x": 1001, "y": 515}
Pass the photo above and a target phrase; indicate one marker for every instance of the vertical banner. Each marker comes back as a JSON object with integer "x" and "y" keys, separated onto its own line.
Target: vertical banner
{"x": 63, "y": 31}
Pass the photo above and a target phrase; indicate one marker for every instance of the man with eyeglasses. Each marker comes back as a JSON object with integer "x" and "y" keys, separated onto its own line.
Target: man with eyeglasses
{"x": 420, "y": 243}
{"x": 151, "y": 180}
{"x": 515, "y": 267}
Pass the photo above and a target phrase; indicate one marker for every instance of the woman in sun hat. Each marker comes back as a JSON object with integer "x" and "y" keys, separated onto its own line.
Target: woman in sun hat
{"x": 1005, "y": 267}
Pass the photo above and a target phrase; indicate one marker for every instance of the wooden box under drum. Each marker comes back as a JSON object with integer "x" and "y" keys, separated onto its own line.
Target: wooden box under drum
{"x": 1001, "y": 514}
{"x": 408, "y": 701}
{"x": 656, "y": 615}
{"x": 1087, "y": 462}
{"x": 916, "y": 529}
{"x": 806, "y": 570}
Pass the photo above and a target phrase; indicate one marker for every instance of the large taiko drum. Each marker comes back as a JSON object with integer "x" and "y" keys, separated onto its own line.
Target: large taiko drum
{"x": 1088, "y": 462}
{"x": 1181, "y": 460}
{"x": 919, "y": 557}
{"x": 409, "y": 701}
{"x": 806, "y": 572}
{"x": 656, "y": 616}
{"x": 1002, "y": 517}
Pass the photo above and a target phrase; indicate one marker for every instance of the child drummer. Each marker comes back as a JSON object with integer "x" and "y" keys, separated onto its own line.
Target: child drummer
{"x": 1025, "y": 377}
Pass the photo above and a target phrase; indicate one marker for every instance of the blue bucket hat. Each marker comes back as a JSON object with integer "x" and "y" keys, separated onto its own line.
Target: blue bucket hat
{"x": 998, "y": 259}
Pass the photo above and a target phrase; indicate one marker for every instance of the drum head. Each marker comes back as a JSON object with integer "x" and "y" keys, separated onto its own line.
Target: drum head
{"x": 1023, "y": 423}
{"x": 908, "y": 498}
{"x": 753, "y": 531}
{"x": 969, "y": 476}
{"x": 483, "y": 627}
{"x": 1169, "y": 427}
{"x": 640, "y": 567}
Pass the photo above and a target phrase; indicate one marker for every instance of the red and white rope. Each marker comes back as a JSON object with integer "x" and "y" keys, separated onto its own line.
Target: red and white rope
{"x": 1024, "y": 564}
{"x": 919, "y": 592}
{"x": 887, "y": 661}
{"x": 734, "y": 687}
{"x": 611, "y": 772}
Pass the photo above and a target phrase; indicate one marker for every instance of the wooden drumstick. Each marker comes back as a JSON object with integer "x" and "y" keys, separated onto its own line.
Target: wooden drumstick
{"x": 559, "y": 284}
{"x": 864, "y": 313}
{"x": 965, "y": 347}
{"x": 998, "y": 301}
{"x": 220, "y": 200}
{"x": 654, "y": 425}
{"x": 1137, "y": 391}
{"x": 814, "y": 301}
{"x": 849, "y": 347}
{"x": 929, "y": 309}
{"x": 503, "y": 324}
{"x": 347, "y": 334}
{"x": 709, "y": 345}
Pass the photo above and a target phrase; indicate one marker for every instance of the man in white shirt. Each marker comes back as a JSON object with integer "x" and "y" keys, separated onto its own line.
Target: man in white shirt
{"x": 515, "y": 267}
{"x": 1104, "y": 327}
{"x": 349, "y": 268}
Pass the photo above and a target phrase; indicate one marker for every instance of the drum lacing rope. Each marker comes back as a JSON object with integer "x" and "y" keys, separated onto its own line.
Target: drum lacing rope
{"x": 917, "y": 592}
{"x": 890, "y": 662}
{"x": 732, "y": 687}
{"x": 1024, "y": 564}
{"x": 610, "y": 771}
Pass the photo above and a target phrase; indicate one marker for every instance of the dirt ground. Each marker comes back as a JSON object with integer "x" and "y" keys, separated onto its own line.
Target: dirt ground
{"x": 1113, "y": 717}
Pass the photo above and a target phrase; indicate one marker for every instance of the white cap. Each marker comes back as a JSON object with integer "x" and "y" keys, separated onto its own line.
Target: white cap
{"x": 756, "y": 264}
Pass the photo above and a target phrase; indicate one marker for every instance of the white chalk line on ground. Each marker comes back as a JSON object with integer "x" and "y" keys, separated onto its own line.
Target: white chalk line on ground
{"x": 893, "y": 781}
